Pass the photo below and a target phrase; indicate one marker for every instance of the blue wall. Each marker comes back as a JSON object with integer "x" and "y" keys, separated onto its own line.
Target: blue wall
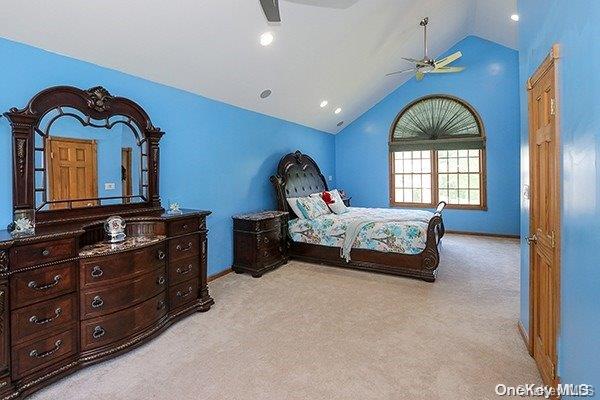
{"x": 574, "y": 26}
{"x": 214, "y": 156}
{"x": 490, "y": 84}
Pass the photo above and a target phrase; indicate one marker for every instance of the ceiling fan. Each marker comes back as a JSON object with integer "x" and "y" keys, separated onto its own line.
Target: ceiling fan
{"x": 427, "y": 65}
{"x": 271, "y": 9}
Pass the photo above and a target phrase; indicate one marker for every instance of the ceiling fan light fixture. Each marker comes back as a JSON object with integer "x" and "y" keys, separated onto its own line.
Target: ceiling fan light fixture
{"x": 323, "y": 104}
{"x": 338, "y": 110}
{"x": 515, "y": 17}
{"x": 266, "y": 39}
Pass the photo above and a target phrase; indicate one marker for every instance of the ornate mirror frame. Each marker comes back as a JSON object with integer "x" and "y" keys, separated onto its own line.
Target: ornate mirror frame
{"x": 95, "y": 104}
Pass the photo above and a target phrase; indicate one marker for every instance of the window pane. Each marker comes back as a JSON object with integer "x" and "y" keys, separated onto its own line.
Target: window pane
{"x": 453, "y": 181}
{"x": 408, "y": 181}
{"x": 473, "y": 181}
{"x": 417, "y": 196}
{"x": 398, "y": 166}
{"x": 426, "y": 181}
{"x": 443, "y": 181}
{"x": 459, "y": 177}
{"x": 398, "y": 181}
{"x": 473, "y": 164}
{"x": 398, "y": 197}
{"x": 452, "y": 165}
{"x": 474, "y": 197}
{"x": 408, "y": 165}
{"x": 416, "y": 165}
{"x": 426, "y": 165}
{"x": 463, "y": 197}
{"x": 426, "y": 154}
{"x": 427, "y": 196}
{"x": 416, "y": 181}
{"x": 408, "y": 195}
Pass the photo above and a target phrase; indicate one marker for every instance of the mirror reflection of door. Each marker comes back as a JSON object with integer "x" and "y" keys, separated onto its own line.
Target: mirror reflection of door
{"x": 72, "y": 172}
{"x": 126, "y": 183}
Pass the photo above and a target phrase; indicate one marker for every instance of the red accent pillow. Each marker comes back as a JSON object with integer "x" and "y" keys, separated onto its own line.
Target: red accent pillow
{"x": 327, "y": 198}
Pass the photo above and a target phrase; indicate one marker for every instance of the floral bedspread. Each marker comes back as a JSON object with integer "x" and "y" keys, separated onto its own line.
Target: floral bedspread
{"x": 388, "y": 230}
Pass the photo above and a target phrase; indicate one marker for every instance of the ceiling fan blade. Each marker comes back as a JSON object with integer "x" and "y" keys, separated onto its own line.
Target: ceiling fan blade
{"x": 400, "y": 72}
{"x": 419, "y": 75}
{"x": 446, "y": 70}
{"x": 271, "y": 10}
{"x": 447, "y": 60}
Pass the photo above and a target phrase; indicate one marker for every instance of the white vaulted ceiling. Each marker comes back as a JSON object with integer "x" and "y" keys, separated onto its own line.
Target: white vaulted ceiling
{"x": 338, "y": 50}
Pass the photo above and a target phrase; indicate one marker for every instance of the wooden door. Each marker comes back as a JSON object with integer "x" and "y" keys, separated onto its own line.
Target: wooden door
{"x": 72, "y": 172}
{"x": 126, "y": 183}
{"x": 544, "y": 224}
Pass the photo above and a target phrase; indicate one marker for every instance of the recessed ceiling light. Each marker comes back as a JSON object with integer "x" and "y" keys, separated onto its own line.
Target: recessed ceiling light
{"x": 266, "y": 38}
{"x": 324, "y": 103}
{"x": 515, "y": 17}
{"x": 265, "y": 93}
{"x": 338, "y": 110}
{"x": 340, "y": 123}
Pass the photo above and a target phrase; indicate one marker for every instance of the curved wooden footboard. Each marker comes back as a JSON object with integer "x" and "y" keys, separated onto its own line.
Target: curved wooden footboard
{"x": 431, "y": 254}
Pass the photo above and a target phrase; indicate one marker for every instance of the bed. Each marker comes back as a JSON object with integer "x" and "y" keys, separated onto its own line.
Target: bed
{"x": 392, "y": 241}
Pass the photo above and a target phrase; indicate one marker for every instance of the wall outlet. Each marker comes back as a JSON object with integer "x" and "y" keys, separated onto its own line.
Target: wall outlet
{"x": 109, "y": 186}
{"x": 330, "y": 178}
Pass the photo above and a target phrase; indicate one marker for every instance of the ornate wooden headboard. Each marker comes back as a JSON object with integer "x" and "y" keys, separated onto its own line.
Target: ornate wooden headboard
{"x": 297, "y": 175}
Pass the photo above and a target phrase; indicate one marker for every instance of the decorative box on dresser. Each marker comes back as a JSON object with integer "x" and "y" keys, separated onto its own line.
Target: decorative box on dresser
{"x": 259, "y": 242}
{"x": 68, "y": 296}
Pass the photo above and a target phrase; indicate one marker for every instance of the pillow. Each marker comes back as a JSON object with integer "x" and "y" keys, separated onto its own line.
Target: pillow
{"x": 294, "y": 206}
{"x": 333, "y": 200}
{"x": 312, "y": 207}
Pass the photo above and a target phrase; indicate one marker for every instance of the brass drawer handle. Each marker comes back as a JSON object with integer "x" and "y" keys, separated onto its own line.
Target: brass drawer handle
{"x": 35, "y": 320}
{"x": 35, "y": 354}
{"x": 188, "y": 248}
{"x": 185, "y": 271}
{"x": 185, "y": 227}
{"x": 97, "y": 302}
{"x": 161, "y": 255}
{"x": 160, "y": 305}
{"x": 45, "y": 252}
{"x": 161, "y": 280}
{"x": 34, "y": 285}
{"x": 186, "y": 294}
{"x": 98, "y": 332}
{"x": 97, "y": 272}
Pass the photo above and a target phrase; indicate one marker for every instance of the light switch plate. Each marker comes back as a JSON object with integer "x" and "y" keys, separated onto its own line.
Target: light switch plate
{"x": 109, "y": 186}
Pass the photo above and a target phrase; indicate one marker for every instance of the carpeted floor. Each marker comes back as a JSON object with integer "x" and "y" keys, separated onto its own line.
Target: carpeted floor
{"x": 313, "y": 332}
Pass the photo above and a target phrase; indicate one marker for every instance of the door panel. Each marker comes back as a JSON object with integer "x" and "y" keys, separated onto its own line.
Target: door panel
{"x": 545, "y": 200}
{"x": 72, "y": 172}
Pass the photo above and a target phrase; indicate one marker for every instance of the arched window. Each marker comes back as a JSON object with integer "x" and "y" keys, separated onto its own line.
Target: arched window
{"x": 437, "y": 153}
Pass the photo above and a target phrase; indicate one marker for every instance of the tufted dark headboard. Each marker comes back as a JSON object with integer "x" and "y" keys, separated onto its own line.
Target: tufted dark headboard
{"x": 297, "y": 175}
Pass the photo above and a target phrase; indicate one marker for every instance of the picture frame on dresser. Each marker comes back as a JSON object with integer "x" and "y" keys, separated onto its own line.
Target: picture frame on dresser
{"x": 68, "y": 296}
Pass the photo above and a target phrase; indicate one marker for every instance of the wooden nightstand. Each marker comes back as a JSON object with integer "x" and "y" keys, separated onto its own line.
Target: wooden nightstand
{"x": 259, "y": 243}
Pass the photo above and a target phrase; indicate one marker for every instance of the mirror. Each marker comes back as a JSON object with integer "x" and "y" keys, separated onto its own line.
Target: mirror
{"x": 82, "y": 162}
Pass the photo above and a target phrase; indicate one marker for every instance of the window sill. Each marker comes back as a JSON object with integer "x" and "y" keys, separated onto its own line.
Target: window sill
{"x": 448, "y": 206}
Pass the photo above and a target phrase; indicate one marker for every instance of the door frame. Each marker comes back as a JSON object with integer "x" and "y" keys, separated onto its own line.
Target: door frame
{"x": 551, "y": 61}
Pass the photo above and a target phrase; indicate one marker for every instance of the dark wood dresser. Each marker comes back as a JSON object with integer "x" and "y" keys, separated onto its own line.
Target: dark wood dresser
{"x": 68, "y": 297}
{"x": 68, "y": 301}
{"x": 259, "y": 243}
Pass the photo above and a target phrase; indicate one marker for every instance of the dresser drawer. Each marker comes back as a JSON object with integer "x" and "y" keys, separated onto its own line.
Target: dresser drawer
{"x": 105, "y": 300}
{"x": 183, "y": 293}
{"x": 116, "y": 267}
{"x": 184, "y": 247}
{"x": 107, "y": 329}
{"x": 44, "y": 252}
{"x": 183, "y": 270}
{"x": 185, "y": 226}
{"x": 43, "y": 352}
{"x": 41, "y": 284}
{"x": 41, "y": 318}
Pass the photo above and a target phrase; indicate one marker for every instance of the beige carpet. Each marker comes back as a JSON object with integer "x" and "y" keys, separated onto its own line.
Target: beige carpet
{"x": 314, "y": 332}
